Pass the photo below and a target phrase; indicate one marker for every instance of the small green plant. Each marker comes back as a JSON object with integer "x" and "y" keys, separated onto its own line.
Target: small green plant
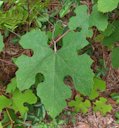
{"x": 101, "y": 106}
{"x": 80, "y": 105}
{"x": 99, "y": 86}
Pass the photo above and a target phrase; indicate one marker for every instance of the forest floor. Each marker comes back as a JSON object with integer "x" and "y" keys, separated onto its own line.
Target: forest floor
{"x": 91, "y": 119}
{"x": 110, "y": 76}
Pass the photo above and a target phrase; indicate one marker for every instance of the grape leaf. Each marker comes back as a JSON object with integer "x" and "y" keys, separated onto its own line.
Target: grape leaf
{"x": 1, "y": 42}
{"x": 94, "y": 19}
{"x": 11, "y": 87}
{"x": 80, "y": 105}
{"x": 81, "y": 20}
{"x": 107, "y": 5}
{"x": 54, "y": 66}
{"x": 115, "y": 57}
{"x": 101, "y": 106}
{"x": 4, "y": 102}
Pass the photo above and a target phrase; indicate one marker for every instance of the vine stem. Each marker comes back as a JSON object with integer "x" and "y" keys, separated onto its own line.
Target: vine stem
{"x": 55, "y": 47}
{"x": 14, "y": 33}
{"x": 54, "y": 43}
{"x": 11, "y": 121}
{"x": 4, "y": 126}
{"x": 58, "y": 39}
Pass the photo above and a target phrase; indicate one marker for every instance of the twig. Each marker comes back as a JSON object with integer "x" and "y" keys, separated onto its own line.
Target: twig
{"x": 4, "y": 126}
{"x": 14, "y": 33}
{"x": 11, "y": 121}
{"x": 59, "y": 38}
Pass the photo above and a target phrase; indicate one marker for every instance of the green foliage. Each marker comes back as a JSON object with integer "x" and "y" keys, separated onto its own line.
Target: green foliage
{"x": 17, "y": 101}
{"x": 99, "y": 38}
{"x": 1, "y": 125}
{"x": 117, "y": 117}
{"x": 115, "y": 96}
{"x": 113, "y": 36}
{"x": 5, "y": 102}
{"x": 1, "y": 3}
{"x": 109, "y": 30}
{"x": 101, "y": 106}
{"x": 13, "y": 17}
{"x": 65, "y": 9}
{"x": 81, "y": 20}
{"x": 8, "y": 116}
{"x": 99, "y": 85}
{"x": 115, "y": 57}
{"x": 1, "y": 42}
{"x": 107, "y": 5}
{"x": 53, "y": 124}
{"x": 11, "y": 87}
{"x": 48, "y": 63}
{"x": 94, "y": 19}
{"x": 80, "y": 105}
{"x": 58, "y": 29}
{"x": 20, "y": 12}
